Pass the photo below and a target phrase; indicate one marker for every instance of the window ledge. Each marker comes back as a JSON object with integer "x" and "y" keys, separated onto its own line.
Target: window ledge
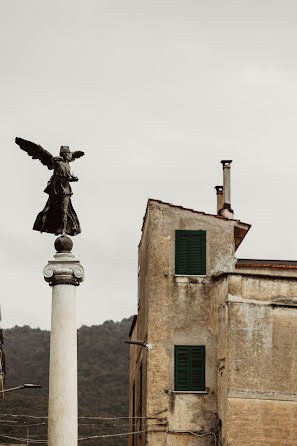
{"x": 203, "y": 392}
{"x": 190, "y": 275}
{"x": 183, "y": 278}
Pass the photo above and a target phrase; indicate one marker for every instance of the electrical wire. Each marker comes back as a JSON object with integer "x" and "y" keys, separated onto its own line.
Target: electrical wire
{"x": 81, "y": 438}
{"x": 117, "y": 425}
{"x": 188, "y": 432}
{"x": 9, "y": 421}
{"x": 92, "y": 437}
{"x": 118, "y": 435}
{"x": 126, "y": 418}
{"x": 24, "y": 424}
{"x": 83, "y": 417}
{"x": 136, "y": 418}
{"x": 23, "y": 439}
{"x": 19, "y": 415}
{"x": 21, "y": 425}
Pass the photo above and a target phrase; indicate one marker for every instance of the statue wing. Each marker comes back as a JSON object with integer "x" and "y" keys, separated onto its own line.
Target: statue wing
{"x": 77, "y": 154}
{"x": 36, "y": 152}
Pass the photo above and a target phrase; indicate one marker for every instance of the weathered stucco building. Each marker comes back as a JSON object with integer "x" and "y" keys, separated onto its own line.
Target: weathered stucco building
{"x": 213, "y": 355}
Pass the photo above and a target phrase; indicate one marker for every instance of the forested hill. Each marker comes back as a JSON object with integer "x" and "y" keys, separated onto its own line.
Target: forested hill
{"x": 103, "y": 375}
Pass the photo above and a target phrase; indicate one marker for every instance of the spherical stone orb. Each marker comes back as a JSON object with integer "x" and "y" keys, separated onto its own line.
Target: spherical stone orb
{"x": 63, "y": 244}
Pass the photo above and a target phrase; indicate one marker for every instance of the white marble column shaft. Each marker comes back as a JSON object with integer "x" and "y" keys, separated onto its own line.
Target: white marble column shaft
{"x": 64, "y": 274}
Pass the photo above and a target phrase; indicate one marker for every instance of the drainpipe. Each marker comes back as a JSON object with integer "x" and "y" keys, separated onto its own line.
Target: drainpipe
{"x": 220, "y": 198}
{"x": 227, "y": 211}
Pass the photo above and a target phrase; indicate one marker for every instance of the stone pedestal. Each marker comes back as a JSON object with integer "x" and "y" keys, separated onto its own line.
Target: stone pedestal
{"x": 63, "y": 273}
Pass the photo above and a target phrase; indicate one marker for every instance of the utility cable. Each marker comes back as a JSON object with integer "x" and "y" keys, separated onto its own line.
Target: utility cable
{"x": 23, "y": 439}
{"x": 23, "y": 424}
{"x": 189, "y": 432}
{"x": 118, "y": 435}
{"x": 84, "y": 417}
{"x": 19, "y": 415}
{"x": 82, "y": 438}
{"x": 126, "y": 418}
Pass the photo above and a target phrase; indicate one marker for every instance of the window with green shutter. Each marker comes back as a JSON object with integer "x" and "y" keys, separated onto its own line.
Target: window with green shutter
{"x": 189, "y": 365}
{"x": 190, "y": 252}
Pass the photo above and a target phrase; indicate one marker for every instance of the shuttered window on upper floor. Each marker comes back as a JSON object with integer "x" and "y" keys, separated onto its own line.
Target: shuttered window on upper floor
{"x": 190, "y": 252}
{"x": 189, "y": 367}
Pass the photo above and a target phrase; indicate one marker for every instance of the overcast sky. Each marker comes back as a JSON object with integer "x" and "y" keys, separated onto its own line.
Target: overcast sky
{"x": 156, "y": 93}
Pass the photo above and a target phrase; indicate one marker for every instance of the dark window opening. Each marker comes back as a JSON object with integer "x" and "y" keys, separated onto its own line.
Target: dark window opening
{"x": 190, "y": 252}
{"x": 189, "y": 365}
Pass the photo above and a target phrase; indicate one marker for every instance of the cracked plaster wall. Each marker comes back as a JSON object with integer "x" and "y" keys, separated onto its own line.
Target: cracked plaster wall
{"x": 181, "y": 311}
{"x": 247, "y": 323}
{"x": 262, "y": 362}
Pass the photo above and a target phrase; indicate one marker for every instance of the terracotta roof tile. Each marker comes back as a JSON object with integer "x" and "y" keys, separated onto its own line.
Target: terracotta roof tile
{"x": 263, "y": 265}
{"x": 191, "y": 210}
{"x": 187, "y": 209}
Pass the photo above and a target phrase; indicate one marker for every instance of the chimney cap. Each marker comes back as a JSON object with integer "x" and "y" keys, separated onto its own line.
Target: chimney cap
{"x": 228, "y": 162}
{"x": 219, "y": 189}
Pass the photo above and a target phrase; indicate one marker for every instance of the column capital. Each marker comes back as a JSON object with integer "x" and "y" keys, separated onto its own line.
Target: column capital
{"x": 64, "y": 270}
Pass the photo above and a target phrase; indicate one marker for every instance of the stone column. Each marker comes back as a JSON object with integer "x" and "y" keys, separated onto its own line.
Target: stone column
{"x": 64, "y": 274}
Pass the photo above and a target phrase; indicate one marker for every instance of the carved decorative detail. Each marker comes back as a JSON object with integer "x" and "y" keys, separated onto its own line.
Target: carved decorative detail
{"x": 70, "y": 273}
{"x": 48, "y": 271}
{"x": 78, "y": 272}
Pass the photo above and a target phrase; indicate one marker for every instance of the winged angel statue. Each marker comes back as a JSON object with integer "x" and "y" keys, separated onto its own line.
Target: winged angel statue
{"x": 58, "y": 215}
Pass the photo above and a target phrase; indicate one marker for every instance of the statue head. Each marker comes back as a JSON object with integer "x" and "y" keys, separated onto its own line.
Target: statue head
{"x": 65, "y": 153}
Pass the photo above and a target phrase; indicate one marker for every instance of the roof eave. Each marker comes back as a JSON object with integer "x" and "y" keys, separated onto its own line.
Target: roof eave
{"x": 240, "y": 231}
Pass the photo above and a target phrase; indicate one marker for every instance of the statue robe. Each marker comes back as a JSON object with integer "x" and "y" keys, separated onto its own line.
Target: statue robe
{"x": 58, "y": 205}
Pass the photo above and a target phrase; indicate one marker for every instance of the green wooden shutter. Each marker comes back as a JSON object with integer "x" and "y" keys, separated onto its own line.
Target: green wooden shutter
{"x": 190, "y": 252}
{"x": 182, "y": 360}
{"x": 198, "y": 252}
{"x": 197, "y": 376}
{"x": 189, "y": 367}
{"x": 182, "y": 252}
